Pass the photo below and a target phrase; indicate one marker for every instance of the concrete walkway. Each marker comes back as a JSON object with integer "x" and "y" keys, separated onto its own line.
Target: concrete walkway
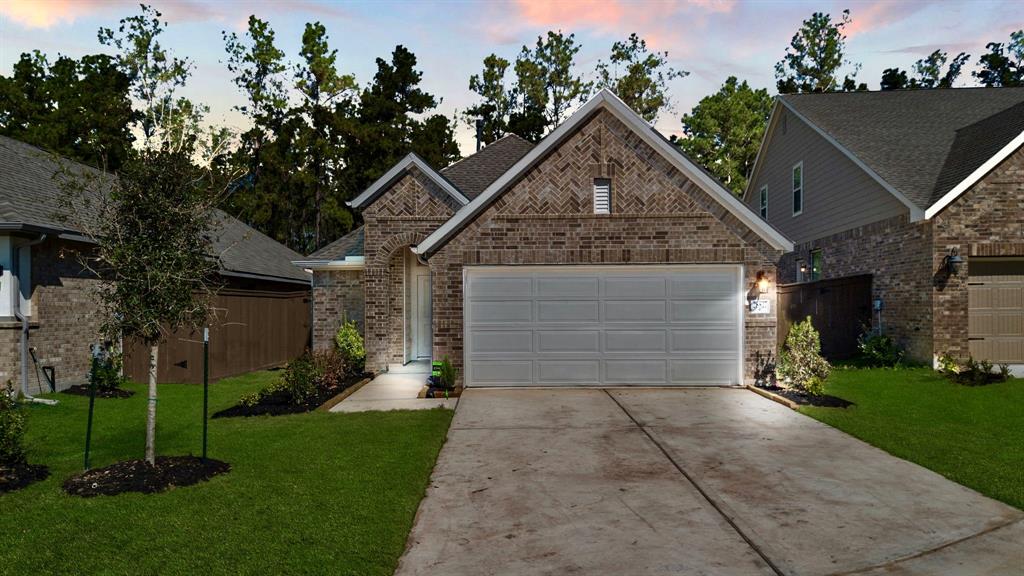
{"x": 394, "y": 390}
{"x": 698, "y": 481}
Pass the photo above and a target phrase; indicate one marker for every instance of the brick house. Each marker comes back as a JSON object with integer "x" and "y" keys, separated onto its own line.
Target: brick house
{"x": 602, "y": 255}
{"x": 43, "y": 282}
{"x": 901, "y": 186}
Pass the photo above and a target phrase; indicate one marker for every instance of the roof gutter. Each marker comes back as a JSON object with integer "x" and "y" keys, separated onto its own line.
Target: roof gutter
{"x": 347, "y": 263}
{"x": 16, "y": 301}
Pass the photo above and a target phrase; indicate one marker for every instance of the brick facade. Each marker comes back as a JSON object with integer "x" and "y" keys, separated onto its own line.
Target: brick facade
{"x": 64, "y": 320}
{"x": 658, "y": 217}
{"x": 895, "y": 252}
{"x": 337, "y": 297}
{"x": 987, "y": 220}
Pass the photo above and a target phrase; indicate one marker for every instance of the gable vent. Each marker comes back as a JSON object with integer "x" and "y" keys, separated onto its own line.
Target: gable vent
{"x": 602, "y": 196}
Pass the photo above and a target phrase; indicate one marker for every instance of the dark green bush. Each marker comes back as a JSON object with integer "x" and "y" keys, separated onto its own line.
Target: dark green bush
{"x": 448, "y": 374}
{"x": 973, "y": 372}
{"x": 12, "y": 428}
{"x": 800, "y": 363}
{"x": 879, "y": 351}
{"x": 350, "y": 345}
{"x": 107, "y": 373}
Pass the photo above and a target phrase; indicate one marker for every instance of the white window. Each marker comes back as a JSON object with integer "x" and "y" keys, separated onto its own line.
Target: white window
{"x": 798, "y": 188}
{"x": 764, "y": 202}
{"x": 602, "y": 196}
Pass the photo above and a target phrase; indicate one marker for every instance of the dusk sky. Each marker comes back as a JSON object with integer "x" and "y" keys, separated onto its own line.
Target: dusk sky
{"x": 710, "y": 39}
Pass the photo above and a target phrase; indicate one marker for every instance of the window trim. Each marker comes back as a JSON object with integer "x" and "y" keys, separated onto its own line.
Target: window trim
{"x": 763, "y": 202}
{"x": 608, "y": 200}
{"x": 794, "y": 188}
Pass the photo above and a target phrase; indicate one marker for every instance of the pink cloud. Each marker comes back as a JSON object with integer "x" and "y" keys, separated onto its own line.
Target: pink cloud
{"x": 872, "y": 16}
{"x": 49, "y": 13}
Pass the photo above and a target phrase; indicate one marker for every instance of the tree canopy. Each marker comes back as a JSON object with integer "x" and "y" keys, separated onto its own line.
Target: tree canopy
{"x": 928, "y": 72}
{"x": 1003, "y": 64}
{"x": 639, "y": 77}
{"x": 815, "y": 56}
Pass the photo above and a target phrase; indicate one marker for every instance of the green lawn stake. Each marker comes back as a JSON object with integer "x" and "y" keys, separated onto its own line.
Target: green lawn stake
{"x": 206, "y": 384}
{"x": 92, "y": 402}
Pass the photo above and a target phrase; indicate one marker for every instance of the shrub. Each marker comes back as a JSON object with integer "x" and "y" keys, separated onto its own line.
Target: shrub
{"x": 12, "y": 428}
{"x": 107, "y": 374}
{"x": 300, "y": 379}
{"x": 350, "y": 345}
{"x": 880, "y": 351}
{"x": 948, "y": 364}
{"x": 973, "y": 372}
{"x": 330, "y": 368}
{"x": 447, "y": 374}
{"x": 303, "y": 379}
{"x": 800, "y": 363}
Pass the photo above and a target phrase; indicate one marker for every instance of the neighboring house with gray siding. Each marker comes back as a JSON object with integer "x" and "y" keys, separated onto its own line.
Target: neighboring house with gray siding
{"x": 896, "y": 185}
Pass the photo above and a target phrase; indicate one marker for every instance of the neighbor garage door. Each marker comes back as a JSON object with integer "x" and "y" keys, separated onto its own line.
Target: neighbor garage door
{"x": 996, "y": 317}
{"x": 606, "y": 325}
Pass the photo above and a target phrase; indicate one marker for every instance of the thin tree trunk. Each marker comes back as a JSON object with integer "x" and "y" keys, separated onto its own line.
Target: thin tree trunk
{"x": 151, "y": 409}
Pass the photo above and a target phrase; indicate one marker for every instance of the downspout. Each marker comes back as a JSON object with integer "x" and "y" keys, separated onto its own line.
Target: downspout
{"x": 24, "y": 322}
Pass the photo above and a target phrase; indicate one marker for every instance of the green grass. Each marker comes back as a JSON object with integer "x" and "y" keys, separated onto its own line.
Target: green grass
{"x": 315, "y": 493}
{"x": 971, "y": 435}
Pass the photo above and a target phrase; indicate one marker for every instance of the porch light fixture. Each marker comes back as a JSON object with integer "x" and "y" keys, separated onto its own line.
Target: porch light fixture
{"x": 762, "y": 283}
{"x": 953, "y": 262}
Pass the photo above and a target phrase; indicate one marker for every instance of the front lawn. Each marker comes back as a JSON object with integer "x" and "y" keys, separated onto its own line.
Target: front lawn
{"x": 971, "y": 435}
{"x": 307, "y": 493}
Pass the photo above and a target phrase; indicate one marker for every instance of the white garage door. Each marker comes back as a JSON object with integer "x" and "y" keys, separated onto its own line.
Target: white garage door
{"x": 604, "y": 325}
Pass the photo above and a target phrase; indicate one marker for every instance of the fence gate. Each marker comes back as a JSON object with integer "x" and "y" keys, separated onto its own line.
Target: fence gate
{"x": 839, "y": 309}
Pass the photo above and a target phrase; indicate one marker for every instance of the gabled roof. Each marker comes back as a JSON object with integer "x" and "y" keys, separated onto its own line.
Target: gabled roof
{"x": 606, "y": 100}
{"x": 31, "y": 199}
{"x": 919, "y": 144}
{"x": 344, "y": 253}
{"x": 411, "y": 160}
{"x": 474, "y": 173}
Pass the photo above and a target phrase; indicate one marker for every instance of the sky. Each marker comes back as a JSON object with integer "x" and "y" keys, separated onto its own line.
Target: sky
{"x": 711, "y": 39}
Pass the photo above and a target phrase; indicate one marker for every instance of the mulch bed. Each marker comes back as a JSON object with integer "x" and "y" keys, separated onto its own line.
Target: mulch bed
{"x": 281, "y": 403}
{"x": 83, "y": 390}
{"x": 13, "y": 477}
{"x": 823, "y": 401}
{"x": 138, "y": 476}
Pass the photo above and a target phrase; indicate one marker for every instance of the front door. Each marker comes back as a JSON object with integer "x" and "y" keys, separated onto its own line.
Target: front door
{"x": 422, "y": 339}
{"x": 417, "y": 313}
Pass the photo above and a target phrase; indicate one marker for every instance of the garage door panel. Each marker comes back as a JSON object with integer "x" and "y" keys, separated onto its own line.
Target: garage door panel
{"x": 568, "y": 311}
{"x": 704, "y": 339}
{"x": 635, "y": 288}
{"x": 568, "y": 341}
{"x": 509, "y": 311}
{"x": 651, "y": 341}
{"x": 703, "y": 311}
{"x": 568, "y": 288}
{"x": 501, "y": 341}
{"x": 701, "y": 371}
{"x": 502, "y": 288}
{"x": 502, "y": 372}
{"x": 552, "y": 372}
{"x": 635, "y": 371}
{"x": 634, "y": 311}
{"x": 603, "y": 325}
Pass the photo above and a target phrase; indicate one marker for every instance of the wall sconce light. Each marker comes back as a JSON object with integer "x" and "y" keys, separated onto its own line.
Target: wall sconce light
{"x": 953, "y": 262}
{"x": 762, "y": 283}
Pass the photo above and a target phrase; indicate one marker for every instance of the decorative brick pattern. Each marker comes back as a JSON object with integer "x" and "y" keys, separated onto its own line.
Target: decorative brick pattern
{"x": 659, "y": 217}
{"x": 987, "y": 220}
{"x": 337, "y": 297}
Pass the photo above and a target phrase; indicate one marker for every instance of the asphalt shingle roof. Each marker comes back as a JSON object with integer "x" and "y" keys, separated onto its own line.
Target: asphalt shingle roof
{"x": 31, "y": 195}
{"x": 473, "y": 174}
{"x": 922, "y": 142}
{"x": 350, "y": 244}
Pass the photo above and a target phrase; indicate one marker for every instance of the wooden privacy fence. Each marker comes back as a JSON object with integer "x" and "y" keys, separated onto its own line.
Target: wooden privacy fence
{"x": 252, "y": 330}
{"x": 839, "y": 309}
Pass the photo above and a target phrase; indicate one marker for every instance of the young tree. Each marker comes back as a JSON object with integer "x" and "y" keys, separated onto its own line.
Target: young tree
{"x": 724, "y": 130}
{"x": 495, "y": 99}
{"x": 155, "y": 75}
{"x": 1003, "y": 64}
{"x": 554, "y": 59}
{"x": 529, "y": 99}
{"x": 814, "y": 57}
{"x": 77, "y": 108}
{"x": 639, "y": 77}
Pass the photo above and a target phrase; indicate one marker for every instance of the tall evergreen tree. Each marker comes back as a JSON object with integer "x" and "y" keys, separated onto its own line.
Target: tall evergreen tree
{"x": 815, "y": 56}
{"x": 76, "y": 108}
{"x": 495, "y": 99}
{"x": 723, "y": 131}
{"x": 639, "y": 77}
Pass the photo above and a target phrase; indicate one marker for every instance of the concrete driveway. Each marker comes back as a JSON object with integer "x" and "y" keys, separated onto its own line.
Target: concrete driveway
{"x": 697, "y": 481}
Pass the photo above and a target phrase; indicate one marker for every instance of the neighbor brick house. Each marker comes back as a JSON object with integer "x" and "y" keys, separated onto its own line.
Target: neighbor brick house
{"x": 262, "y": 305}
{"x": 900, "y": 186}
{"x": 602, "y": 255}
